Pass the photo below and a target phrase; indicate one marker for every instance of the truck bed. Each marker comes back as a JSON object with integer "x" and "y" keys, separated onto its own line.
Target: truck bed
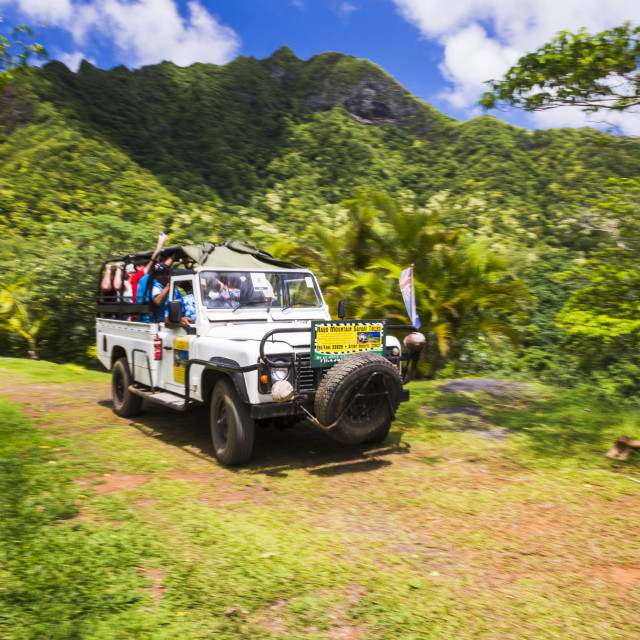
{"x": 135, "y": 340}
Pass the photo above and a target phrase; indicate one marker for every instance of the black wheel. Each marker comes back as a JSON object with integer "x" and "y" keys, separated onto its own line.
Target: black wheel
{"x": 232, "y": 426}
{"x": 125, "y": 403}
{"x": 368, "y": 418}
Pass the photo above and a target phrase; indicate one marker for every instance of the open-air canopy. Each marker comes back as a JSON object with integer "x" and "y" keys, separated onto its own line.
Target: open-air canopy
{"x": 234, "y": 255}
{"x": 230, "y": 255}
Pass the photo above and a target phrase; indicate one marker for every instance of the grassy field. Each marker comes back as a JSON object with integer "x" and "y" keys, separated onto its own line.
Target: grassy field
{"x": 486, "y": 514}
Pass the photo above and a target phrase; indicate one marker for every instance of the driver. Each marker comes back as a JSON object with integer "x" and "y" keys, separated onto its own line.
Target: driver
{"x": 225, "y": 291}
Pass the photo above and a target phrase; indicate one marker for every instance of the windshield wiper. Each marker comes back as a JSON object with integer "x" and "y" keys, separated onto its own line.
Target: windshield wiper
{"x": 252, "y": 303}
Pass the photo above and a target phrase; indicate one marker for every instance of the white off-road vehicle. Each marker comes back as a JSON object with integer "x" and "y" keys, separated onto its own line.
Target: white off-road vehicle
{"x": 262, "y": 348}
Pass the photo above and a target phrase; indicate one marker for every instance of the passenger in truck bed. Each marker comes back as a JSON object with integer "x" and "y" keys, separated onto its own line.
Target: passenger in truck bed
{"x": 110, "y": 284}
{"x": 140, "y": 279}
{"x": 160, "y": 292}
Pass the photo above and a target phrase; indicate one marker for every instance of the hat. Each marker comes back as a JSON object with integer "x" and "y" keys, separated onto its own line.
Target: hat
{"x": 131, "y": 268}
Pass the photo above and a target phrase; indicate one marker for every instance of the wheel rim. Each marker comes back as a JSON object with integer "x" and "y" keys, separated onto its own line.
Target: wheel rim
{"x": 363, "y": 408}
{"x": 118, "y": 386}
{"x": 221, "y": 425}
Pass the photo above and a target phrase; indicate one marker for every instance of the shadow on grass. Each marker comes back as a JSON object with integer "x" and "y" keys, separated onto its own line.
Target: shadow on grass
{"x": 275, "y": 451}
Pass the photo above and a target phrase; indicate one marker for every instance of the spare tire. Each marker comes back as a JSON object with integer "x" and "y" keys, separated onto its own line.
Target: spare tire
{"x": 367, "y": 418}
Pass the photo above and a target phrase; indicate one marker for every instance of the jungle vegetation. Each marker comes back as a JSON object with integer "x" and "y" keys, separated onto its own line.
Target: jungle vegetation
{"x": 331, "y": 163}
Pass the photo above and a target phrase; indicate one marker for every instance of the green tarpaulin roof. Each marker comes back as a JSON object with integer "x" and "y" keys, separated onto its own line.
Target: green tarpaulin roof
{"x": 230, "y": 255}
{"x": 233, "y": 255}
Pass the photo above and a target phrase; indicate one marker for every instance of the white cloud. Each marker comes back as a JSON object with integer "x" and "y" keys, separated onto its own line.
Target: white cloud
{"x": 346, "y": 9}
{"x": 470, "y": 56}
{"x": 153, "y": 30}
{"x": 627, "y": 123}
{"x": 143, "y": 31}
{"x": 481, "y": 39}
{"x": 50, "y": 11}
{"x": 73, "y": 60}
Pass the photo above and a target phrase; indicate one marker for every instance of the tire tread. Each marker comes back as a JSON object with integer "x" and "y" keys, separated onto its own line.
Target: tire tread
{"x": 238, "y": 450}
{"x": 331, "y": 383}
{"x": 131, "y": 404}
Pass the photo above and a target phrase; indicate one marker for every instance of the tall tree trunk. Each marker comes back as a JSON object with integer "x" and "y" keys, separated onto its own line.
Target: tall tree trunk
{"x": 33, "y": 349}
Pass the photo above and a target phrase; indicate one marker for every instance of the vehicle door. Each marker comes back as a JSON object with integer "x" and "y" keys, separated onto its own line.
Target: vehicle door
{"x": 177, "y": 344}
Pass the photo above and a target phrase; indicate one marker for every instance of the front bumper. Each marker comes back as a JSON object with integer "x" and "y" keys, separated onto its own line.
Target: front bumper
{"x": 276, "y": 410}
{"x": 293, "y": 408}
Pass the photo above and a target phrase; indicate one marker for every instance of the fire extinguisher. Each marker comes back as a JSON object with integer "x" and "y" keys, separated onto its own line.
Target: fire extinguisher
{"x": 157, "y": 348}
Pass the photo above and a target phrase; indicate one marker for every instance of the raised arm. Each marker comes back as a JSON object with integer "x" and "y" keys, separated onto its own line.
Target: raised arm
{"x": 105, "y": 285}
{"x": 162, "y": 238}
{"x": 117, "y": 278}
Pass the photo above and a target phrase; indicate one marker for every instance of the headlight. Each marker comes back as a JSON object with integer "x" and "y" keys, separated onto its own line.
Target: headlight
{"x": 280, "y": 372}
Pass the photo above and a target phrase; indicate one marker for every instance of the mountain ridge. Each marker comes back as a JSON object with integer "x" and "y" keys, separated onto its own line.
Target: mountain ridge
{"x": 95, "y": 162}
{"x": 308, "y": 133}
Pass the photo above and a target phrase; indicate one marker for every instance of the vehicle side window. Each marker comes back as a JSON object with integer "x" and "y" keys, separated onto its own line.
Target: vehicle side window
{"x": 183, "y": 291}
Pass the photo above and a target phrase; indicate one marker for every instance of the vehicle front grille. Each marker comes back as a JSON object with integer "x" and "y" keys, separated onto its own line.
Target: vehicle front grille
{"x": 306, "y": 376}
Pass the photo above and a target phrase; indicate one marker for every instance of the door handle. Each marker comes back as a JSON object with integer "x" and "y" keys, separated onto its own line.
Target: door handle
{"x": 168, "y": 348}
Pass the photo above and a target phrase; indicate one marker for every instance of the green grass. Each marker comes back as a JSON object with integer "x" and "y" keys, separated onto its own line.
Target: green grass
{"x": 118, "y": 529}
{"x": 50, "y": 372}
{"x": 58, "y": 576}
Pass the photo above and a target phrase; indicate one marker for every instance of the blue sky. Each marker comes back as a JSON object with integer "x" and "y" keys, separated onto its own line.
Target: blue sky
{"x": 440, "y": 50}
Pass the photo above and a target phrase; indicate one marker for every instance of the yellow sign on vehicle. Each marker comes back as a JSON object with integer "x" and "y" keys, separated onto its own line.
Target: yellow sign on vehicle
{"x": 332, "y": 341}
{"x": 180, "y": 357}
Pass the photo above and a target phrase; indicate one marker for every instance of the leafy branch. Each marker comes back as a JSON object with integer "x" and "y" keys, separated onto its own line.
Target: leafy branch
{"x": 593, "y": 72}
{"x": 17, "y": 51}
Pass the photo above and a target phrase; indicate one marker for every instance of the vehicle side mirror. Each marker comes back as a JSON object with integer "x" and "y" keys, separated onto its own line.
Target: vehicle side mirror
{"x": 342, "y": 312}
{"x": 175, "y": 311}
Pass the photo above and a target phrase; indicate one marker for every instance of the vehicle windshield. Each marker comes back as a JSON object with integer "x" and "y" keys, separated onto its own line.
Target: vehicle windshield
{"x": 237, "y": 289}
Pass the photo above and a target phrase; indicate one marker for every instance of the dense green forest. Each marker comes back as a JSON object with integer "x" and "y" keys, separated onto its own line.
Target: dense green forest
{"x": 332, "y": 163}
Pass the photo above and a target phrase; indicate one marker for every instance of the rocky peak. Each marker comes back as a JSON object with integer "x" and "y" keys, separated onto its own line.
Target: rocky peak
{"x": 283, "y": 66}
{"x": 372, "y": 100}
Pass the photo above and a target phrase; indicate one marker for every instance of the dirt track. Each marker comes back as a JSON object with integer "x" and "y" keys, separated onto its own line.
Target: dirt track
{"x": 408, "y": 498}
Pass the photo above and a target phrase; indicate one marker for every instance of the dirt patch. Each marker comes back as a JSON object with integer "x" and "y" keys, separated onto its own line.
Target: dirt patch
{"x": 471, "y": 412}
{"x": 625, "y": 576}
{"x": 156, "y": 588}
{"x": 193, "y": 477}
{"x": 416, "y": 549}
{"x": 496, "y": 433}
{"x": 113, "y": 482}
{"x": 535, "y": 526}
{"x": 465, "y": 411}
{"x": 469, "y": 419}
{"x": 341, "y": 633}
{"x": 257, "y": 494}
{"x": 147, "y": 503}
{"x": 274, "y": 619}
{"x": 488, "y": 385}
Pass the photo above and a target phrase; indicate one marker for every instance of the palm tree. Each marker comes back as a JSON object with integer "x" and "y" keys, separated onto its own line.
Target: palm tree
{"x": 333, "y": 247}
{"x": 17, "y": 316}
{"x": 463, "y": 289}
